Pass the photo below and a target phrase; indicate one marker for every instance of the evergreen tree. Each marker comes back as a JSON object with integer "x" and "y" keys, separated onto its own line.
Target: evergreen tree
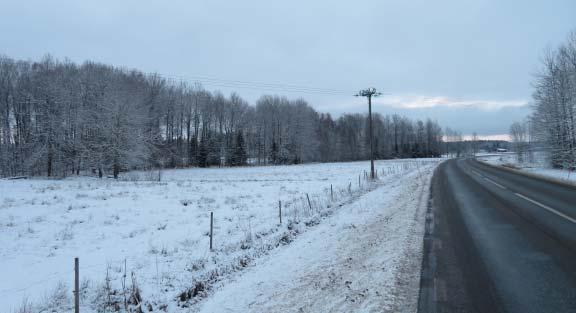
{"x": 274, "y": 153}
{"x": 203, "y": 153}
{"x": 214, "y": 153}
{"x": 193, "y": 152}
{"x": 239, "y": 156}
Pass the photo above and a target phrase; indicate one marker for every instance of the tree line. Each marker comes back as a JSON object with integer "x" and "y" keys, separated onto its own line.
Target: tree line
{"x": 58, "y": 118}
{"x": 552, "y": 123}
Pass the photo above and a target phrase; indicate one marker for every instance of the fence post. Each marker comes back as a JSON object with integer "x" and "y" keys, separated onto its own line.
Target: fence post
{"x": 76, "y": 285}
{"x": 358, "y": 181}
{"x": 124, "y": 287}
{"x": 211, "y": 228}
{"x": 309, "y": 204}
{"x": 280, "y": 210}
{"x": 331, "y": 193}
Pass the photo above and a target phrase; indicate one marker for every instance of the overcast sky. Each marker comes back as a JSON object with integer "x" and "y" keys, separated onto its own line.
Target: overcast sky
{"x": 466, "y": 63}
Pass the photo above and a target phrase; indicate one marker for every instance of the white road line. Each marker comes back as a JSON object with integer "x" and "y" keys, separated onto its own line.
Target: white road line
{"x": 495, "y": 183}
{"x": 475, "y": 172}
{"x": 547, "y": 208}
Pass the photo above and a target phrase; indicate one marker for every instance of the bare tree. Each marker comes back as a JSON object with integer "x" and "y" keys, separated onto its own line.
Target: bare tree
{"x": 58, "y": 118}
{"x": 554, "y": 119}
{"x": 519, "y": 137}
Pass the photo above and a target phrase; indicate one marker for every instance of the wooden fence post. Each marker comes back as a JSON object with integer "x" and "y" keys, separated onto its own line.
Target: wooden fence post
{"x": 331, "y": 193}
{"x": 211, "y": 228}
{"x": 280, "y": 210}
{"x": 309, "y": 204}
{"x": 76, "y": 285}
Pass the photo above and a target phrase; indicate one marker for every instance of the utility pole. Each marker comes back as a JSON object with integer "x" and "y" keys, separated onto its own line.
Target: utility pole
{"x": 369, "y": 93}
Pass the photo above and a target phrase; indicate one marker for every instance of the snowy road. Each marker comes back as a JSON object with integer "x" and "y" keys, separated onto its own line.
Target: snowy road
{"x": 366, "y": 258}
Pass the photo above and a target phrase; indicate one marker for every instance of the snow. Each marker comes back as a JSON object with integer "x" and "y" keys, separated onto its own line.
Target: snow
{"x": 159, "y": 229}
{"x": 352, "y": 263}
{"x": 539, "y": 166}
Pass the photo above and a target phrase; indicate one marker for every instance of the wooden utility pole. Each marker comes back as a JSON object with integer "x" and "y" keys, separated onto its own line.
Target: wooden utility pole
{"x": 369, "y": 93}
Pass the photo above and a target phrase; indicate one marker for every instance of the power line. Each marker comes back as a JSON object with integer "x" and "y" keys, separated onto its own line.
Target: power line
{"x": 265, "y": 84}
{"x": 277, "y": 87}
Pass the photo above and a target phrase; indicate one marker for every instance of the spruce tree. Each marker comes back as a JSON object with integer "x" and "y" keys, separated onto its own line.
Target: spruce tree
{"x": 239, "y": 157}
{"x": 203, "y": 153}
{"x": 274, "y": 153}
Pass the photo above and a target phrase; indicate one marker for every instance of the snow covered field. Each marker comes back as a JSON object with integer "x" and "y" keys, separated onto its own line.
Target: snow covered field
{"x": 539, "y": 166}
{"x": 154, "y": 234}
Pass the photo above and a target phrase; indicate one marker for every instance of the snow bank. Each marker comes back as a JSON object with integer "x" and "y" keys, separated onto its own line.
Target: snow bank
{"x": 539, "y": 165}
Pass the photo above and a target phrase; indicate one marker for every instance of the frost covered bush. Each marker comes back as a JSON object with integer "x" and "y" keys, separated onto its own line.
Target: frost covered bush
{"x": 65, "y": 234}
{"x": 25, "y": 307}
{"x": 58, "y": 298}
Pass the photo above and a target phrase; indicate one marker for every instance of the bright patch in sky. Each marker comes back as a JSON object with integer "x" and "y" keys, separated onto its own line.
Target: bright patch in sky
{"x": 422, "y": 102}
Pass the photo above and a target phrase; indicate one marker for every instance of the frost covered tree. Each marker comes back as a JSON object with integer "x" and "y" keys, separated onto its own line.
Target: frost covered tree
{"x": 58, "y": 118}
{"x": 519, "y": 137}
{"x": 554, "y": 117}
{"x": 475, "y": 143}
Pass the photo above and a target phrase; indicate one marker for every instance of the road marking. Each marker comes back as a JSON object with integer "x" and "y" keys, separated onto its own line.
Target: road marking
{"x": 495, "y": 183}
{"x": 547, "y": 208}
{"x": 475, "y": 172}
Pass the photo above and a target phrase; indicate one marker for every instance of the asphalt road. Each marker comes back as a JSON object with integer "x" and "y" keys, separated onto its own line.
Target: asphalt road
{"x": 498, "y": 241}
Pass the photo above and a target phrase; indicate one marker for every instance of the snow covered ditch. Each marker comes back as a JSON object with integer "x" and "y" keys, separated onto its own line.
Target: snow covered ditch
{"x": 143, "y": 244}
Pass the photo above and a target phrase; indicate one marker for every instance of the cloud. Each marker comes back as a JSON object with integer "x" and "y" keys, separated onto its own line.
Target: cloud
{"x": 487, "y": 118}
{"x": 423, "y": 102}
